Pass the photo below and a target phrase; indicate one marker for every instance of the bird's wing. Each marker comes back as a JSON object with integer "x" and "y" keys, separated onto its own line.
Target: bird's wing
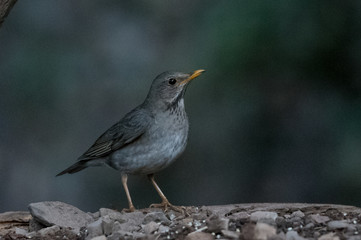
{"x": 126, "y": 131}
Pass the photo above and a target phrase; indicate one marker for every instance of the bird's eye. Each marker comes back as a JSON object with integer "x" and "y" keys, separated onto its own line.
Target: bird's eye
{"x": 172, "y": 81}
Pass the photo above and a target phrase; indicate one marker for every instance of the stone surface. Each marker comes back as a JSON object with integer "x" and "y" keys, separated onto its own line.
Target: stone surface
{"x": 297, "y": 214}
{"x": 95, "y": 229}
{"x": 102, "y": 237}
{"x": 163, "y": 229}
{"x": 35, "y": 225}
{"x": 317, "y": 218}
{"x": 150, "y": 227}
{"x": 15, "y": 217}
{"x": 264, "y": 231}
{"x": 329, "y": 236}
{"x": 107, "y": 224}
{"x": 333, "y": 225}
{"x": 60, "y": 214}
{"x": 263, "y": 215}
{"x": 231, "y": 234}
{"x": 199, "y": 236}
{"x": 49, "y": 231}
{"x": 293, "y": 235}
{"x": 20, "y": 231}
{"x": 293, "y": 221}
{"x": 217, "y": 224}
{"x": 156, "y": 217}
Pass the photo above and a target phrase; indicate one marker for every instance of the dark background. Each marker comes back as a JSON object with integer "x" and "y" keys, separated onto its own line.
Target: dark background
{"x": 276, "y": 117}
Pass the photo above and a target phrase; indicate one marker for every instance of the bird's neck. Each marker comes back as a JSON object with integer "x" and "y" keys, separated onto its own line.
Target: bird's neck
{"x": 162, "y": 106}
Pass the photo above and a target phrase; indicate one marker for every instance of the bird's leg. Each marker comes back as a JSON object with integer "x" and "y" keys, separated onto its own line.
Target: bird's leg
{"x": 165, "y": 203}
{"x": 125, "y": 185}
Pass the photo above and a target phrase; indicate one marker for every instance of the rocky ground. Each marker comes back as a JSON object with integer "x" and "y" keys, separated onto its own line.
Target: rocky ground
{"x": 57, "y": 220}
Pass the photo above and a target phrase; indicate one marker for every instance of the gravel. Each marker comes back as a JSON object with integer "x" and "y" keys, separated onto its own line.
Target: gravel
{"x": 56, "y": 220}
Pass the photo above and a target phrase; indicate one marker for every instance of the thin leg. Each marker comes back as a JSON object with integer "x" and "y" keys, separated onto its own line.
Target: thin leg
{"x": 125, "y": 185}
{"x": 165, "y": 203}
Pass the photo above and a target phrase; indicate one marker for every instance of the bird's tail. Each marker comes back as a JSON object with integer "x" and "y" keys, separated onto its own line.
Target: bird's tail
{"x": 82, "y": 164}
{"x": 76, "y": 167}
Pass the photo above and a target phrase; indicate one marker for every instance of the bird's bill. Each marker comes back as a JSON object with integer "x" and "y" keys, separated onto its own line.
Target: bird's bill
{"x": 192, "y": 76}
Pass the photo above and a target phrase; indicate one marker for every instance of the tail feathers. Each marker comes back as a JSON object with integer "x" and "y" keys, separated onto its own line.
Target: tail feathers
{"x": 76, "y": 167}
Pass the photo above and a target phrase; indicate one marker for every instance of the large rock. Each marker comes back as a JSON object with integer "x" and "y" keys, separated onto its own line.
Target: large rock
{"x": 60, "y": 214}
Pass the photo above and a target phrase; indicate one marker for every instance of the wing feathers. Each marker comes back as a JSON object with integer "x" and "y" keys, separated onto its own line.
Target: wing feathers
{"x": 128, "y": 130}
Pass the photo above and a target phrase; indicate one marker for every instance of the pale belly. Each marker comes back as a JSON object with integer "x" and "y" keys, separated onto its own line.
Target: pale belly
{"x": 151, "y": 153}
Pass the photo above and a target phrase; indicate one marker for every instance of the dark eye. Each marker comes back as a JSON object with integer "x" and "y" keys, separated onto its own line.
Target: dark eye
{"x": 172, "y": 81}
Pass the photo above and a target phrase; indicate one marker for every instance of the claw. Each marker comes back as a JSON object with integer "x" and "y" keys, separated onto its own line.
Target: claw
{"x": 130, "y": 209}
{"x": 167, "y": 205}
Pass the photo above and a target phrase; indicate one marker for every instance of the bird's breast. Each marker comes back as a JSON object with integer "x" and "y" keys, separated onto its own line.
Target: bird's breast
{"x": 159, "y": 146}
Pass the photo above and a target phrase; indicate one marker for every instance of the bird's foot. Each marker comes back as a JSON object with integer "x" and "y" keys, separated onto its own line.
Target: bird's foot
{"x": 167, "y": 205}
{"x": 130, "y": 209}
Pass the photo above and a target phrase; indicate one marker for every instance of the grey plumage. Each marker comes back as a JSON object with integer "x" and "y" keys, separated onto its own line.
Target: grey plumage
{"x": 148, "y": 138}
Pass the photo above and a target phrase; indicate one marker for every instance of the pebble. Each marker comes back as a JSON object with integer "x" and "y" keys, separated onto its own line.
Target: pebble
{"x": 263, "y": 216}
{"x": 150, "y": 227}
{"x": 329, "y": 236}
{"x": 264, "y": 231}
{"x": 199, "y": 236}
{"x": 217, "y": 224}
{"x": 156, "y": 217}
{"x": 20, "y": 231}
{"x": 95, "y": 229}
{"x": 231, "y": 234}
{"x": 107, "y": 225}
{"x": 49, "y": 230}
{"x": 102, "y": 237}
{"x": 317, "y": 218}
{"x": 293, "y": 235}
{"x": 120, "y": 235}
{"x": 112, "y": 214}
{"x": 163, "y": 229}
{"x": 298, "y": 214}
{"x": 333, "y": 225}
{"x": 239, "y": 216}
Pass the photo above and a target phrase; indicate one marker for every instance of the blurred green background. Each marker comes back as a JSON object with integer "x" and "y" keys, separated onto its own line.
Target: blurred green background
{"x": 276, "y": 117}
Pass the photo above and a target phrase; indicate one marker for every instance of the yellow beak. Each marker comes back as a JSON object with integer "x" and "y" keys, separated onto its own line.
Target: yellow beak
{"x": 192, "y": 76}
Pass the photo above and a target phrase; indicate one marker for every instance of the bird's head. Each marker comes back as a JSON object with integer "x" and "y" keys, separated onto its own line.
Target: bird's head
{"x": 169, "y": 87}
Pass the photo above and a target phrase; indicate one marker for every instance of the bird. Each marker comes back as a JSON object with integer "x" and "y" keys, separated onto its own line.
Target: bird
{"x": 147, "y": 139}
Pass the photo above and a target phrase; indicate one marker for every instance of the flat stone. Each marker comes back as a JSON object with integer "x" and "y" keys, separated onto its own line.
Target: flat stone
{"x": 217, "y": 224}
{"x": 112, "y": 214}
{"x": 263, "y": 215}
{"x": 102, "y": 237}
{"x": 120, "y": 235}
{"x": 231, "y": 234}
{"x": 61, "y": 214}
{"x": 95, "y": 229}
{"x": 329, "y": 236}
{"x": 293, "y": 235}
{"x": 298, "y": 214}
{"x": 199, "y": 236}
{"x": 317, "y": 218}
{"x": 20, "y": 231}
{"x": 150, "y": 227}
{"x": 49, "y": 231}
{"x": 133, "y": 217}
{"x": 333, "y": 225}
{"x": 263, "y": 231}
{"x": 163, "y": 229}
{"x": 156, "y": 217}
{"x": 240, "y": 216}
{"x": 126, "y": 227}
{"x": 107, "y": 225}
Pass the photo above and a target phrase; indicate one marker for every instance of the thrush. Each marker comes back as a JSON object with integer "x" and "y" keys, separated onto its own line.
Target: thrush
{"x": 147, "y": 139}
